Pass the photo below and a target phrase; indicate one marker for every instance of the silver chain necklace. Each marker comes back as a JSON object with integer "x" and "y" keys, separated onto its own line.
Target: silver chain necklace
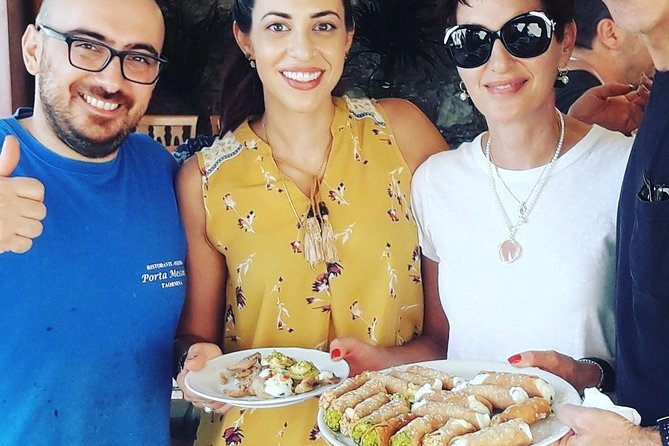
{"x": 509, "y": 250}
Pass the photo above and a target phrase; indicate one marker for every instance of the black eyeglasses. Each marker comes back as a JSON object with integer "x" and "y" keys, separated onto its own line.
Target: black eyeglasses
{"x": 91, "y": 55}
{"x": 527, "y": 35}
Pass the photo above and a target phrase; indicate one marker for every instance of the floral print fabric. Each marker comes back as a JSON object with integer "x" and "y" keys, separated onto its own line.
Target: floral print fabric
{"x": 274, "y": 298}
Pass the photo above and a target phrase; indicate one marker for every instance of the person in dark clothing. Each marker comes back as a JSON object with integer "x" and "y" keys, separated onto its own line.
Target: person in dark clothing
{"x": 580, "y": 81}
{"x": 604, "y": 53}
{"x": 642, "y": 287}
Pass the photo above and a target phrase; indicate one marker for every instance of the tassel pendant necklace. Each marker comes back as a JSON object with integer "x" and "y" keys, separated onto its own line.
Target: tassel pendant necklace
{"x": 319, "y": 237}
{"x": 509, "y": 249}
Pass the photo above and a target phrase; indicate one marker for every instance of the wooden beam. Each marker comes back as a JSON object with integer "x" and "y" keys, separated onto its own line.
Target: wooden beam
{"x": 19, "y": 14}
{"x": 5, "y": 77}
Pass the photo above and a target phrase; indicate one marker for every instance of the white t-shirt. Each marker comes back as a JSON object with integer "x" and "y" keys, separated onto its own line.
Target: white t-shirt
{"x": 559, "y": 294}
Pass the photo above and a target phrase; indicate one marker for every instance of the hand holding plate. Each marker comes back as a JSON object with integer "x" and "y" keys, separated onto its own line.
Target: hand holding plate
{"x": 597, "y": 427}
{"x": 360, "y": 355}
{"x": 578, "y": 374}
{"x": 198, "y": 355}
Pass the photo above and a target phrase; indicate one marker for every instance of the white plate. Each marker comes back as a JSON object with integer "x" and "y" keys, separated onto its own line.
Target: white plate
{"x": 544, "y": 432}
{"x": 206, "y": 383}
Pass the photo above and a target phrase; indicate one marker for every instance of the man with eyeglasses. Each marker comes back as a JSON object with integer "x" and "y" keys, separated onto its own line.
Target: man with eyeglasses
{"x": 642, "y": 286}
{"x": 90, "y": 309}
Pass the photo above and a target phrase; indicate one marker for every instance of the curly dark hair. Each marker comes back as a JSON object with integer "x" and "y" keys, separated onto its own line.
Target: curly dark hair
{"x": 561, "y": 11}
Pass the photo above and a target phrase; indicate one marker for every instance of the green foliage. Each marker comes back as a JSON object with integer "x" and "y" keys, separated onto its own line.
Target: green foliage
{"x": 392, "y": 37}
{"x": 194, "y": 31}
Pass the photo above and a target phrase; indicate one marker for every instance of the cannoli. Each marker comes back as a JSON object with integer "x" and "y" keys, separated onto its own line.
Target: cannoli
{"x": 379, "y": 435}
{"x": 334, "y": 413}
{"x": 412, "y": 434}
{"x": 395, "y": 385}
{"x": 349, "y": 384}
{"x": 454, "y": 427}
{"x": 361, "y": 410}
{"x": 529, "y": 411}
{"x": 509, "y": 433}
{"x": 500, "y": 397}
{"x": 448, "y": 410}
{"x": 448, "y": 381}
{"x": 533, "y": 385}
{"x": 419, "y": 380}
{"x": 387, "y": 411}
{"x": 459, "y": 398}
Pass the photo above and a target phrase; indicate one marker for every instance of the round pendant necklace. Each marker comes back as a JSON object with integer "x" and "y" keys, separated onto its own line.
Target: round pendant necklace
{"x": 509, "y": 249}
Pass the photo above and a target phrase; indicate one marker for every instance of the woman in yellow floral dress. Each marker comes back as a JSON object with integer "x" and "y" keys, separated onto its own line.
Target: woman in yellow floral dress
{"x": 300, "y": 230}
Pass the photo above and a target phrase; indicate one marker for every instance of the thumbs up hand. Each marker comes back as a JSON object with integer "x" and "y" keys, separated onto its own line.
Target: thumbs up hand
{"x": 21, "y": 203}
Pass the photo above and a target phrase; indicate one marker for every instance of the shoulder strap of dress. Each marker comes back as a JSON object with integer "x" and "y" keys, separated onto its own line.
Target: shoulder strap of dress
{"x": 222, "y": 149}
{"x": 365, "y": 108}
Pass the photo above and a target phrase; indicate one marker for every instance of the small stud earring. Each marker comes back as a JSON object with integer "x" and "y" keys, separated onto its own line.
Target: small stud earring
{"x": 464, "y": 95}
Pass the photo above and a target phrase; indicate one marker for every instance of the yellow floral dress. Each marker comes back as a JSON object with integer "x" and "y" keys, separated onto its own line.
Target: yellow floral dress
{"x": 274, "y": 297}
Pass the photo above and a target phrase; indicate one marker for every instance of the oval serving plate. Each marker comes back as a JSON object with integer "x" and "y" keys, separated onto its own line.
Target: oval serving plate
{"x": 544, "y": 432}
{"x": 207, "y": 383}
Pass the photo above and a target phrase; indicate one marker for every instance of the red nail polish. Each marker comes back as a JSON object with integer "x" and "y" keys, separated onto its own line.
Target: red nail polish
{"x": 514, "y": 359}
{"x": 335, "y": 353}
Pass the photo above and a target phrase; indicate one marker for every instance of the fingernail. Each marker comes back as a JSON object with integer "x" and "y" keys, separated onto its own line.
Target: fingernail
{"x": 335, "y": 353}
{"x": 514, "y": 359}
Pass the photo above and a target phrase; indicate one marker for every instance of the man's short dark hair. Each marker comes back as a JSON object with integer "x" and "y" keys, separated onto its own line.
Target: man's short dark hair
{"x": 588, "y": 14}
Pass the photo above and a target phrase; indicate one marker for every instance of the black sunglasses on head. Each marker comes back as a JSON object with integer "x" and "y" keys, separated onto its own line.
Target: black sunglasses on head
{"x": 527, "y": 35}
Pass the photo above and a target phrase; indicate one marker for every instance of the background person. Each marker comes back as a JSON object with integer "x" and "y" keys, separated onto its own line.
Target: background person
{"x": 642, "y": 299}
{"x": 604, "y": 53}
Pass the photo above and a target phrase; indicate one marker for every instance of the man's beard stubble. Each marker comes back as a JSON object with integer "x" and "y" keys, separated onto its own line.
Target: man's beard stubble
{"x": 61, "y": 120}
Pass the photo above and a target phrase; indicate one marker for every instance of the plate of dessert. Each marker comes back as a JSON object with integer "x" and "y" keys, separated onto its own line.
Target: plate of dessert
{"x": 446, "y": 403}
{"x": 267, "y": 377}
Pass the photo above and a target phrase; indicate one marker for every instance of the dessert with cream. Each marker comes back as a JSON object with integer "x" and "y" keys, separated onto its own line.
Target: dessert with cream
{"x": 415, "y": 405}
{"x": 273, "y": 376}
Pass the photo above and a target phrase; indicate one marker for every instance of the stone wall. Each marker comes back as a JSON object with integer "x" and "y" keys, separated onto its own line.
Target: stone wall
{"x": 397, "y": 52}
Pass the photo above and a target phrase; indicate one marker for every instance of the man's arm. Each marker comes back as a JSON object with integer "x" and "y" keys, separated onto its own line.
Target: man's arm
{"x": 596, "y": 427}
{"x": 617, "y": 107}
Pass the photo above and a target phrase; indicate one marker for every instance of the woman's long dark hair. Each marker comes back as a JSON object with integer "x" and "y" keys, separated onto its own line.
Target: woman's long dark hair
{"x": 242, "y": 92}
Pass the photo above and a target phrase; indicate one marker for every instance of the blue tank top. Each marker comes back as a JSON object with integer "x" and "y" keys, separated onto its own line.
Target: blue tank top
{"x": 88, "y": 315}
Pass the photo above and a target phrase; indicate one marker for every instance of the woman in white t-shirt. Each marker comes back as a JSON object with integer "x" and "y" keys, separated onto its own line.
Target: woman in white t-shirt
{"x": 521, "y": 221}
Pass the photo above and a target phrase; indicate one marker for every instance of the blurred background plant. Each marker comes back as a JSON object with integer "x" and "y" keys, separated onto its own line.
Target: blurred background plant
{"x": 196, "y": 31}
{"x": 394, "y": 38}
